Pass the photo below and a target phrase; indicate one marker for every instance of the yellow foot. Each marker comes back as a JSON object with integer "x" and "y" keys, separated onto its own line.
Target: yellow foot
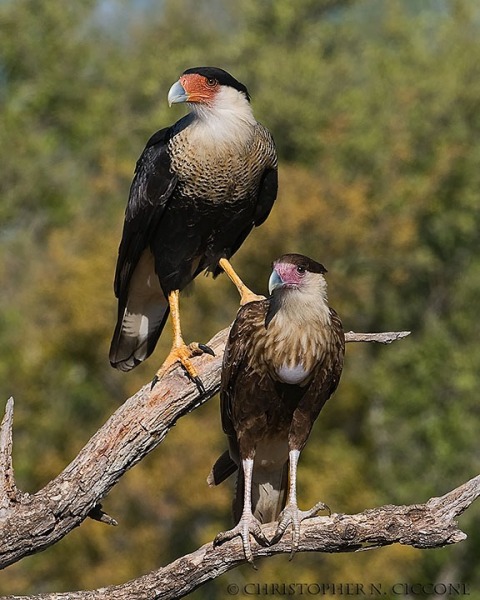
{"x": 183, "y": 354}
{"x": 247, "y": 296}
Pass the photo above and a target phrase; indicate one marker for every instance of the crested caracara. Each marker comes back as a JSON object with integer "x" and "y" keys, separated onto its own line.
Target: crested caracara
{"x": 200, "y": 186}
{"x": 282, "y": 362}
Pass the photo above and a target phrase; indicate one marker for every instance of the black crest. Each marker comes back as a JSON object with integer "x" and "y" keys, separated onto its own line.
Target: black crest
{"x": 221, "y": 76}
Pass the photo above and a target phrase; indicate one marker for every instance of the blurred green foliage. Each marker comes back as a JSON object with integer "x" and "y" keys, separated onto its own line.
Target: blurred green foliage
{"x": 375, "y": 108}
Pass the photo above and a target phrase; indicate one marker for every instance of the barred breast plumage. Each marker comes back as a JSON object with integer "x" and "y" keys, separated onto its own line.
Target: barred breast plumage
{"x": 227, "y": 172}
{"x": 200, "y": 186}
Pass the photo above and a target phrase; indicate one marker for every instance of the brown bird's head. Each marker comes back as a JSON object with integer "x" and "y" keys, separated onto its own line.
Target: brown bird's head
{"x": 298, "y": 290}
{"x": 294, "y": 271}
{"x": 206, "y": 86}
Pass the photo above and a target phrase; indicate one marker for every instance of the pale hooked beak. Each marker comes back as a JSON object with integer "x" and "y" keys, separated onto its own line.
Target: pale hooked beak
{"x": 177, "y": 94}
{"x": 275, "y": 281}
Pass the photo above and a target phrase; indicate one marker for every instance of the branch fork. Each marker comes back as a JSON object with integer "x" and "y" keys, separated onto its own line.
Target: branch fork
{"x": 30, "y": 523}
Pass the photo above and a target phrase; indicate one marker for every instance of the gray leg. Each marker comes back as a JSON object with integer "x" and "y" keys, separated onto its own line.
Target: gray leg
{"x": 248, "y": 524}
{"x": 291, "y": 513}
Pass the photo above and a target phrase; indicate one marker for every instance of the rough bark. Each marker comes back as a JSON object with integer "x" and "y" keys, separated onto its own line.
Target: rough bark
{"x": 31, "y": 522}
{"x": 429, "y": 525}
{"x": 386, "y": 337}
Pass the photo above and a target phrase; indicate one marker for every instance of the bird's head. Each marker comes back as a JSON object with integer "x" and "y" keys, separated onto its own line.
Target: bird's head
{"x": 297, "y": 272}
{"x": 208, "y": 87}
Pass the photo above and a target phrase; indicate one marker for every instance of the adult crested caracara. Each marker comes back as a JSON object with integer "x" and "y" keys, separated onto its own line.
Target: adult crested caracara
{"x": 200, "y": 186}
{"x": 282, "y": 362}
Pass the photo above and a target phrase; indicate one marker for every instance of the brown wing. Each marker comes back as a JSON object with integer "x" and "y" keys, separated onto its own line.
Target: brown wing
{"x": 247, "y": 391}
{"x": 241, "y": 377}
{"x": 248, "y": 395}
{"x": 236, "y": 385}
{"x": 324, "y": 383}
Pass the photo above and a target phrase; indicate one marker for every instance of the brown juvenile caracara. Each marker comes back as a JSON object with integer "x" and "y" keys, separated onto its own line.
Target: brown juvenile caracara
{"x": 200, "y": 186}
{"x": 283, "y": 360}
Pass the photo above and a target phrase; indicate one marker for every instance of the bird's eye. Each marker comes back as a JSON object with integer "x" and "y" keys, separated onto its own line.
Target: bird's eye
{"x": 211, "y": 81}
{"x": 301, "y": 270}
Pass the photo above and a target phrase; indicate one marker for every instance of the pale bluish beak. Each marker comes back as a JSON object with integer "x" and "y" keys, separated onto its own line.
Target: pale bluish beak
{"x": 274, "y": 282}
{"x": 177, "y": 94}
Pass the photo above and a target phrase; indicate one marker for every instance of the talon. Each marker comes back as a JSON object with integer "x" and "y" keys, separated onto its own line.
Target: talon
{"x": 221, "y": 538}
{"x": 316, "y": 509}
{"x": 206, "y": 349}
{"x": 182, "y": 354}
{"x": 262, "y": 539}
{"x": 194, "y": 349}
{"x": 154, "y": 382}
{"x": 198, "y": 349}
{"x": 199, "y": 383}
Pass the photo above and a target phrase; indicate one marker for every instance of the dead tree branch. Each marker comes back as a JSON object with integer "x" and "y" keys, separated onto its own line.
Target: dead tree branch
{"x": 429, "y": 525}
{"x": 382, "y": 338}
{"x": 30, "y": 523}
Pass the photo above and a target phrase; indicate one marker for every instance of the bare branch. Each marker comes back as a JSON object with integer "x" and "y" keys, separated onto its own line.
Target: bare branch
{"x": 135, "y": 429}
{"x": 8, "y": 490}
{"x": 386, "y": 337}
{"x": 429, "y": 525}
{"x": 31, "y": 522}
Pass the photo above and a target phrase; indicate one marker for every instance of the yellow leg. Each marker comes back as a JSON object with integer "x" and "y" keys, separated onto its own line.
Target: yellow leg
{"x": 174, "y": 303}
{"x": 246, "y": 295}
{"x": 180, "y": 352}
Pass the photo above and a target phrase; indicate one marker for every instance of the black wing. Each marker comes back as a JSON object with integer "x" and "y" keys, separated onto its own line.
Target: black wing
{"x": 266, "y": 197}
{"x": 151, "y": 188}
{"x": 234, "y": 368}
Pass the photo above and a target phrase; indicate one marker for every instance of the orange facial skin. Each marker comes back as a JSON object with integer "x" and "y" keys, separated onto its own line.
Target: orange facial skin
{"x": 199, "y": 88}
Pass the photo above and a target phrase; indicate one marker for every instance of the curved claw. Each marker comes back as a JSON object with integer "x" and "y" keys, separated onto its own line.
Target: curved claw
{"x": 155, "y": 380}
{"x": 206, "y": 349}
{"x": 199, "y": 383}
{"x": 182, "y": 354}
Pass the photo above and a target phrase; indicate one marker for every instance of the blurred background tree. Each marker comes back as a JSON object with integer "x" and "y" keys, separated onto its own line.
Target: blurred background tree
{"x": 375, "y": 108}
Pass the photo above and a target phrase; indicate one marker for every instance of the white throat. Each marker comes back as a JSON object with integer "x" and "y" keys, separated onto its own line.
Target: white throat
{"x": 307, "y": 304}
{"x": 298, "y": 333}
{"x": 229, "y": 120}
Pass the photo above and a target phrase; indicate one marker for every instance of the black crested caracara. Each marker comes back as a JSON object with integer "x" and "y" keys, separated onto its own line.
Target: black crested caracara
{"x": 282, "y": 362}
{"x": 200, "y": 186}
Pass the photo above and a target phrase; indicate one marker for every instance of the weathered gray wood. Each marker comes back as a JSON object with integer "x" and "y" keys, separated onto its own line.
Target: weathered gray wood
{"x": 8, "y": 490}
{"x": 429, "y": 525}
{"x": 33, "y": 522}
{"x": 386, "y": 337}
{"x": 30, "y": 523}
